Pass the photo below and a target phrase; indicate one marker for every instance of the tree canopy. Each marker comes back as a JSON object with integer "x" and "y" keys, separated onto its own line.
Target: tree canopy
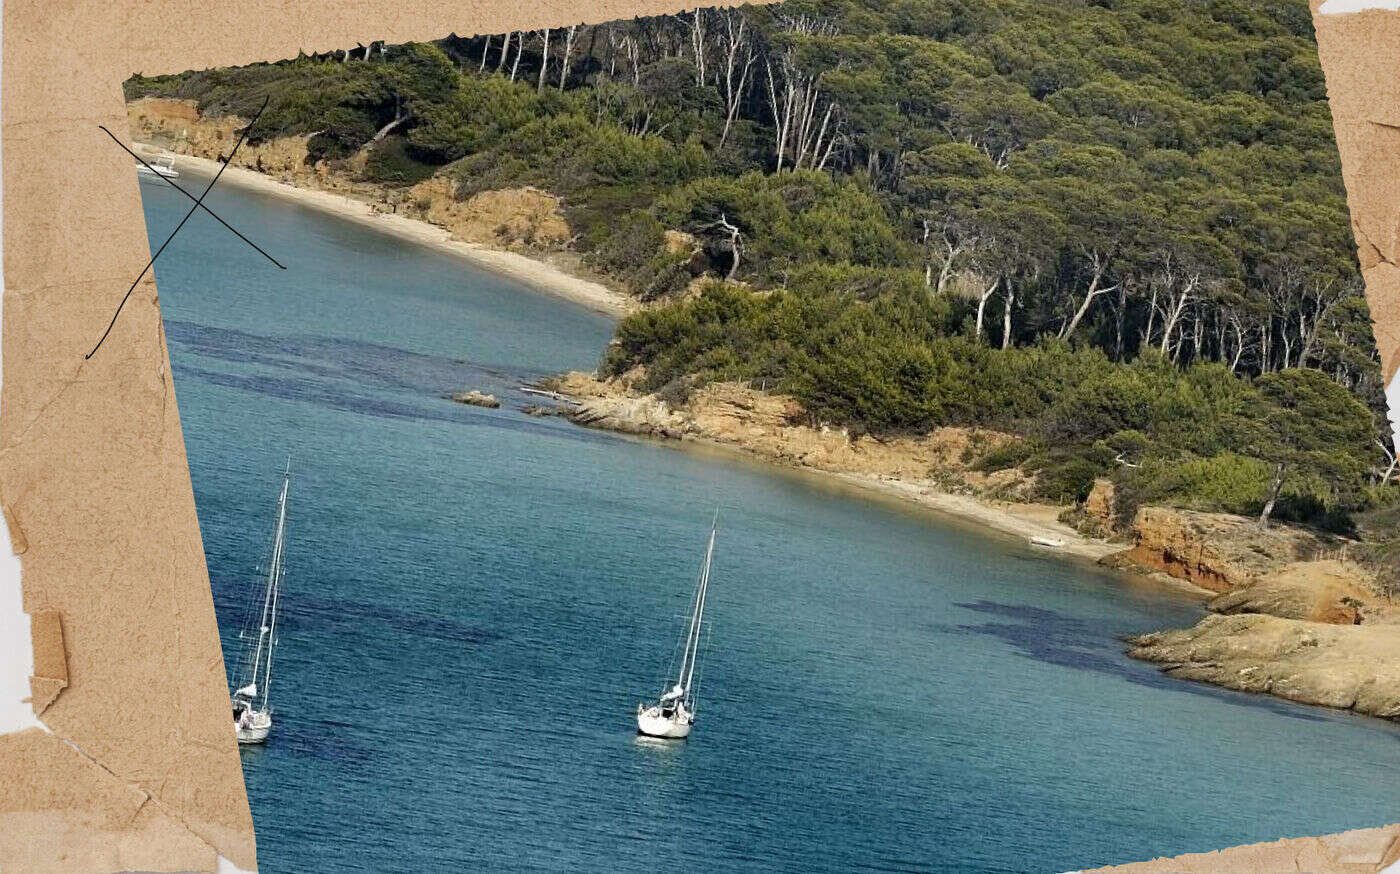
{"x": 1114, "y": 227}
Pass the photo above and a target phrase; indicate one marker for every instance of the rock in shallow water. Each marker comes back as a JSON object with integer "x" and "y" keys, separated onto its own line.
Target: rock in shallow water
{"x": 476, "y": 399}
{"x": 1355, "y": 667}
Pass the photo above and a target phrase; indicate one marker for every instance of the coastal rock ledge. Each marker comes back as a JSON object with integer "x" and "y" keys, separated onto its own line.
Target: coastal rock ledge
{"x": 1351, "y": 667}
{"x": 1363, "y": 851}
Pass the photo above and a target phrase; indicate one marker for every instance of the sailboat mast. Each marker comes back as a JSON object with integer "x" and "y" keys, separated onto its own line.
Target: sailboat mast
{"x": 693, "y": 640}
{"x": 275, "y": 580}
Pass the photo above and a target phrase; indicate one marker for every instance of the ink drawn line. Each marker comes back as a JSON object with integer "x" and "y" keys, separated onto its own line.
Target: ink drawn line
{"x": 192, "y": 211}
{"x": 172, "y": 183}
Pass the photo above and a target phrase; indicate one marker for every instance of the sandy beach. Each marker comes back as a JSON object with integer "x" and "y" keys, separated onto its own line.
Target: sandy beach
{"x": 534, "y": 272}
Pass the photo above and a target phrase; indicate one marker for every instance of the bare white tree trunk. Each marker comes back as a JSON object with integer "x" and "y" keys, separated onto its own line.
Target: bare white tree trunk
{"x": 736, "y": 240}
{"x": 519, "y": 50}
{"x": 1238, "y": 327}
{"x": 400, "y": 116}
{"x": 952, "y": 250}
{"x": 795, "y": 112}
{"x": 505, "y": 50}
{"x": 634, "y": 58}
{"x": 735, "y": 39}
{"x": 1323, "y": 298}
{"x": 1120, "y": 314}
{"x": 544, "y": 59}
{"x": 1151, "y": 317}
{"x": 982, "y": 304}
{"x": 1006, "y": 316}
{"x": 1280, "y": 470}
{"x": 568, "y": 48}
{"x": 782, "y": 115}
{"x": 1389, "y": 454}
{"x": 1174, "y": 309}
{"x": 1100, "y": 263}
{"x": 945, "y": 272}
{"x": 697, "y": 45}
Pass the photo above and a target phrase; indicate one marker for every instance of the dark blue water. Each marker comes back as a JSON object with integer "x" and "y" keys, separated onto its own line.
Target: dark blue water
{"x": 476, "y": 600}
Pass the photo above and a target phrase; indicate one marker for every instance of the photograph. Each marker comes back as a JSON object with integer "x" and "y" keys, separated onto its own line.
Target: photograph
{"x": 896, "y": 435}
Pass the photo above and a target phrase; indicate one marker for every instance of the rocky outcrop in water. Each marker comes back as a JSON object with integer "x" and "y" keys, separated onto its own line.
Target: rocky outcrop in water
{"x": 1363, "y": 851}
{"x": 776, "y": 427}
{"x": 1353, "y": 667}
{"x": 631, "y": 415}
{"x": 476, "y": 399}
{"x": 1286, "y": 622}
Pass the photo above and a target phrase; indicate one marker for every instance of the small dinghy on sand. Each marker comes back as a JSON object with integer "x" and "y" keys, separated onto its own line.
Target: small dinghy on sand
{"x": 159, "y": 167}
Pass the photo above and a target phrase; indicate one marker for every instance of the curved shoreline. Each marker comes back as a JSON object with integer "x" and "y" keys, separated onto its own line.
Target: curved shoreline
{"x": 1009, "y": 519}
{"x": 602, "y": 405}
{"x": 551, "y": 279}
{"x": 534, "y": 272}
{"x": 984, "y": 518}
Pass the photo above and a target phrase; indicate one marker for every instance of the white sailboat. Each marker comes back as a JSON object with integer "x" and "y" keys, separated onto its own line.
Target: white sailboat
{"x": 673, "y": 713}
{"x": 252, "y": 714}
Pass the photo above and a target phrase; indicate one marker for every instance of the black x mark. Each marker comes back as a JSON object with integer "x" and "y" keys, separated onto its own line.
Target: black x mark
{"x": 198, "y": 205}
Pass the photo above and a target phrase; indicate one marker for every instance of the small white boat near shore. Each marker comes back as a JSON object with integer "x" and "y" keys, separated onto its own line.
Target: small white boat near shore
{"x": 252, "y": 714}
{"x": 672, "y": 715}
{"x": 159, "y": 167}
{"x": 1047, "y": 542}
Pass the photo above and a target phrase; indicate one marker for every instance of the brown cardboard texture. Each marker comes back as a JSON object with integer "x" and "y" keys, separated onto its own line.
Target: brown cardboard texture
{"x": 1358, "y": 52}
{"x": 141, "y": 770}
{"x": 50, "y": 664}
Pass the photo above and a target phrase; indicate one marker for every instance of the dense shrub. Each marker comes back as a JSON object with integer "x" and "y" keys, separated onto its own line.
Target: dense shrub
{"x": 389, "y": 162}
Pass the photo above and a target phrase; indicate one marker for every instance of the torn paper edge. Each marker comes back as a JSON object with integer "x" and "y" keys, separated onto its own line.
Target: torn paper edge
{"x": 16, "y": 647}
{"x": 1344, "y": 7}
{"x": 1393, "y": 396}
{"x": 20, "y": 681}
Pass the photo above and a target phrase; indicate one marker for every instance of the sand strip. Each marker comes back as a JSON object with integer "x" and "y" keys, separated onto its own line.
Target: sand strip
{"x": 533, "y": 272}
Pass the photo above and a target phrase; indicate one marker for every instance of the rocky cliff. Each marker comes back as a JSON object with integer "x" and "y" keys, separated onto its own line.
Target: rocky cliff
{"x": 1354, "y": 667}
{"x": 517, "y": 219}
{"x": 1213, "y": 550}
{"x": 776, "y": 427}
{"x": 1294, "y": 617}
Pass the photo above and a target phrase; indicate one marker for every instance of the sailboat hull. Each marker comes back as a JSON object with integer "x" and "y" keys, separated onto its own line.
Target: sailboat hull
{"x": 651, "y": 723}
{"x": 256, "y": 731}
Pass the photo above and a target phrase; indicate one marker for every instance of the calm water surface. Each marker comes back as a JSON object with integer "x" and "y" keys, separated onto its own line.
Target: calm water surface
{"x": 477, "y": 599}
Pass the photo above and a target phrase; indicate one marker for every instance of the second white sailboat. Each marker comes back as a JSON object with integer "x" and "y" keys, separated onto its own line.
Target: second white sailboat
{"x": 673, "y": 713}
{"x": 252, "y": 714}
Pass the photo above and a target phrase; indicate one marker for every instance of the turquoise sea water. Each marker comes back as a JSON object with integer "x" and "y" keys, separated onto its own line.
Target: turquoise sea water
{"x": 476, "y": 600}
